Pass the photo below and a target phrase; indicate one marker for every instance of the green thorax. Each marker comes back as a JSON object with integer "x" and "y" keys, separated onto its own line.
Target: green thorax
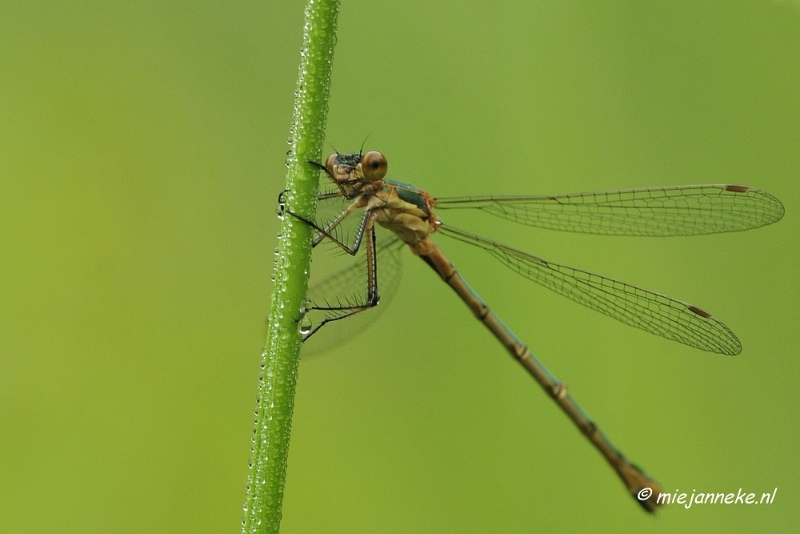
{"x": 409, "y": 193}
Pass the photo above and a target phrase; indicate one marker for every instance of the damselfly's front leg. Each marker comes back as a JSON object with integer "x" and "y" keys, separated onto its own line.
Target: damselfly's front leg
{"x": 327, "y": 231}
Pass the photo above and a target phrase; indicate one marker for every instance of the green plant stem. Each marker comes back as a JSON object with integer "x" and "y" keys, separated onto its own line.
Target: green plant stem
{"x": 262, "y": 511}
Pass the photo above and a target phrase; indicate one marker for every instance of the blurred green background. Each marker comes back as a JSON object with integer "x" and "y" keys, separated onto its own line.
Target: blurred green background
{"x": 142, "y": 150}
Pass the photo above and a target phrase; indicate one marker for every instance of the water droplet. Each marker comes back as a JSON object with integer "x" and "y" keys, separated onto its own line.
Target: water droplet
{"x": 304, "y": 325}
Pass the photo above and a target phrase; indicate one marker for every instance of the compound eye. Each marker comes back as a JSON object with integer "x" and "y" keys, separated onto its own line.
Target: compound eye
{"x": 374, "y": 166}
{"x": 331, "y": 162}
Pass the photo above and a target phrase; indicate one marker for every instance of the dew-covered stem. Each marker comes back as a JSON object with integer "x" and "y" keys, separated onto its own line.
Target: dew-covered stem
{"x": 270, "y": 447}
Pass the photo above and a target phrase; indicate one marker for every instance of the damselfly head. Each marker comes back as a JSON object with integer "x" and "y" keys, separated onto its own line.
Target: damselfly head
{"x": 370, "y": 167}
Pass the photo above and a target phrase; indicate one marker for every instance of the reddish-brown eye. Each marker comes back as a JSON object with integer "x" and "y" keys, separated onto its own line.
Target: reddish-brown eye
{"x": 330, "y": 162}
{"x": 374, "y": 166}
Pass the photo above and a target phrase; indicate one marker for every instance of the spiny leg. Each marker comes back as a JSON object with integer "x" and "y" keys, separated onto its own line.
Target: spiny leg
{"x": 326, "y": 232}
{"x": 336, "y": 313}
{"x": 366, "y": 227}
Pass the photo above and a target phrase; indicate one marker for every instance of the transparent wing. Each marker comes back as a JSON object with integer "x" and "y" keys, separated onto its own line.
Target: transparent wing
{"x": 346, "y": 286}
{"x": 652, "y": 211}
{"x": 650, "y": 311}
{"x": 330, "y": 205}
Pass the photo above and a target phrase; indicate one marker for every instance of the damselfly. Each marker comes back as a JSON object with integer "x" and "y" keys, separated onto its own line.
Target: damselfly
{"x": 359, "y": 185}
